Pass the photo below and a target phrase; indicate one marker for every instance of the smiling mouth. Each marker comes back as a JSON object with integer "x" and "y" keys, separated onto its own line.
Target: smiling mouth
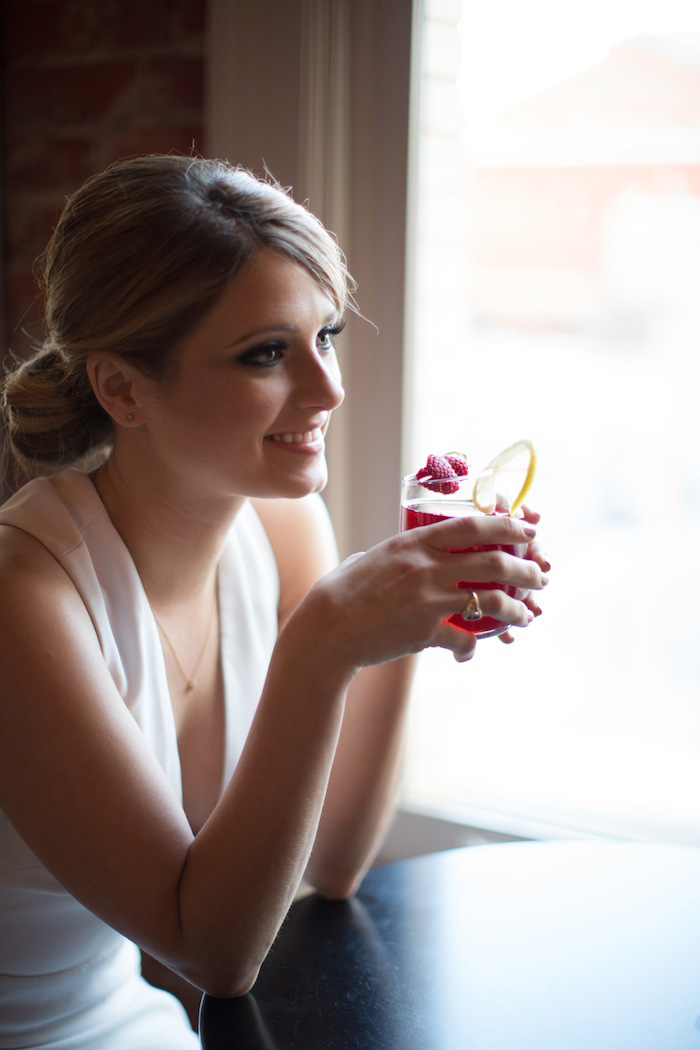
{"x": 298, "y": 437}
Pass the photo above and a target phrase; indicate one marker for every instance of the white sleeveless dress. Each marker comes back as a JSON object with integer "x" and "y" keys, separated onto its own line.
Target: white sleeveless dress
{"x": 67, "y": 980}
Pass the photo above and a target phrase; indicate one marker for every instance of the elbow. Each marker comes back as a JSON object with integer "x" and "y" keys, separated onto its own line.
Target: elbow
{"x": 335, "y": 876}
{"x": 338, "y": 893}
{"x": 224, "y": 982}
{"x": 233, "y": 987}
{"x": 216, "y": 968}
{"x": 337, "y": 885}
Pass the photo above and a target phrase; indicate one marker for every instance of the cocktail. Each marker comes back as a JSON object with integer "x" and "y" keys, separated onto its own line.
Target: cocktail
{"x": 447, "y": 488}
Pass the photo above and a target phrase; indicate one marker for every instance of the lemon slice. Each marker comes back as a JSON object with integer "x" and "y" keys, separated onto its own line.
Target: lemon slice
{"x": 506, "y": 481}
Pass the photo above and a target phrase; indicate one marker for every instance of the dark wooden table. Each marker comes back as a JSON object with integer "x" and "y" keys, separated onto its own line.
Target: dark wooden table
{"x": 518, "y": 946}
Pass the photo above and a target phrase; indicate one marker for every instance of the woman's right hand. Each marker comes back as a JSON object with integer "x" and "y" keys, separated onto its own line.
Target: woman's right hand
{"x": 396, "y": 598}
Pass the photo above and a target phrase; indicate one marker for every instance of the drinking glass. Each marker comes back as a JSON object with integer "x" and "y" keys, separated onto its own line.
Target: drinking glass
{"x": 425, "y": 504}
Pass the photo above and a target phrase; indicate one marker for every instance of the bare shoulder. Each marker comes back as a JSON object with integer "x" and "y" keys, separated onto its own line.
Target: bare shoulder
{"x": 46, "y": 634}
{"x": 26, "y": 564}
{"x": 303, "y": 541}
{"x": 37, "y": 595}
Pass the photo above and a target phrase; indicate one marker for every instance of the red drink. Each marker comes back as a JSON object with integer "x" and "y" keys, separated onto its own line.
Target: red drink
{"x": 428, "y": 512}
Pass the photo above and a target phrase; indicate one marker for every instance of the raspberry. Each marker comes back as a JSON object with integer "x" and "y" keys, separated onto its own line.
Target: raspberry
{"x": 439, "y": 474}
{"x": 458, "y": 464}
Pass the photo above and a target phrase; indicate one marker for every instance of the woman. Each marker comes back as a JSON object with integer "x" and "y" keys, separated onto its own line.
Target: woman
{"x": 198, "y": 708}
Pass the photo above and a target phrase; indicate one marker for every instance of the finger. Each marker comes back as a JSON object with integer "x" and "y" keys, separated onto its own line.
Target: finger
{"x": 496, "y": 567}
{"x": 507, "y": 638}
{"x": 535, "y": 553}
{"x": 459, "y": 642}
{"x": 499, "y": 606}
{"x": 477, "y": 529}
{"x": 532, "y": 605}
{"x": 530, "y": 515}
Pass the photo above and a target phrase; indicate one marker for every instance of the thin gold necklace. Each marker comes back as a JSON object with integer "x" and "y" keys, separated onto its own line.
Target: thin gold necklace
{"x": 190, "y": 679}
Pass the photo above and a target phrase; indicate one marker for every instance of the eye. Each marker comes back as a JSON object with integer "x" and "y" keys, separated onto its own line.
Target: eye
{"x": 263, "y": 356}
{"x": 326, "y": 337}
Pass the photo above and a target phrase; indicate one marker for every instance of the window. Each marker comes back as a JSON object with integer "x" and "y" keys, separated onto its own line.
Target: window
{"x": 555, "y": 295}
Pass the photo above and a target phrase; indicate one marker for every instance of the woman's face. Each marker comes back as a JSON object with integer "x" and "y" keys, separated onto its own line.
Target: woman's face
{"x": 257, "y": 381}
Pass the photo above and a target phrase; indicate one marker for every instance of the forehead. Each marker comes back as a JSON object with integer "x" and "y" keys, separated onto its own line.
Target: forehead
{"x": 271, "y": 289}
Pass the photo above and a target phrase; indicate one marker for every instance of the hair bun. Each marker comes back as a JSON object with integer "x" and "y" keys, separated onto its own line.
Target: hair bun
{"x": 51, "y": 414}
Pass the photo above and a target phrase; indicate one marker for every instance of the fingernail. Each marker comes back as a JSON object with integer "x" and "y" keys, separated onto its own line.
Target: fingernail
{"x": 529, "y": 530}
{"x": 545, "y": 580}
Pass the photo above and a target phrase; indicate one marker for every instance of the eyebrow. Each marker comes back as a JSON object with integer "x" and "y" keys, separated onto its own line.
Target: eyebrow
{"x": 272, "y": 329}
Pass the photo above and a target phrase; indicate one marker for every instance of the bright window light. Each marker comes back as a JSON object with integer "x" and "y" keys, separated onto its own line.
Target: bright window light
{"x": 555, "y": 295}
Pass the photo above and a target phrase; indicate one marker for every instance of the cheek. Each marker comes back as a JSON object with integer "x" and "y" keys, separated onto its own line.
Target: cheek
{"x": 238, "y": 410}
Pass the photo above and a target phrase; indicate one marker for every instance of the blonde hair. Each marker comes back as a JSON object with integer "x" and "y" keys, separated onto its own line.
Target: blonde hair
{"x": 140, "y": 253}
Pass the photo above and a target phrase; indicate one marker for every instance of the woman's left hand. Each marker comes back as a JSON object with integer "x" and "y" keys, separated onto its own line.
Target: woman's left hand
{"x": 536, "y": 554}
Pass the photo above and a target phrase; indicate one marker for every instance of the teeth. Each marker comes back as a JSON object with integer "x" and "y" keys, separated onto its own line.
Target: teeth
{"x": 299, "y": 437}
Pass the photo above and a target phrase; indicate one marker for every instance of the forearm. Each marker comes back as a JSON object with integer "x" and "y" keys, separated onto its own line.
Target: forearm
{"x": 246, "y": 863}
{"x": 361, "y": 796}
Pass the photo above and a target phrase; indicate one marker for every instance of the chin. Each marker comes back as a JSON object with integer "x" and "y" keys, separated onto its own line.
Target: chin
{"x": 294, "y": 487}
{"x": 299, "y": 491}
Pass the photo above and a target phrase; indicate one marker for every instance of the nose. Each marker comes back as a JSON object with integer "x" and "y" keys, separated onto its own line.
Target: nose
{"x": 319, "y": 382}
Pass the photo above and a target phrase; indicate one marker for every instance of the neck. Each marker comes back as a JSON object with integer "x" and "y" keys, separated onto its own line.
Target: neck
{"x": 162, "y": 528}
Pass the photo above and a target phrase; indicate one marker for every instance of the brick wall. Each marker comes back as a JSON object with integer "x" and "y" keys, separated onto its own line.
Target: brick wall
{"x": 86, "y": 82}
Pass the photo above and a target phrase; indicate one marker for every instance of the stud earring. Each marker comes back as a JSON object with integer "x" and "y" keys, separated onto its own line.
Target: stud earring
{"x": 130, "y": 417}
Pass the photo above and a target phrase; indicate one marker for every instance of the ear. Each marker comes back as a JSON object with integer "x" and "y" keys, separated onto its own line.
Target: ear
{"x": 115, "y": 384}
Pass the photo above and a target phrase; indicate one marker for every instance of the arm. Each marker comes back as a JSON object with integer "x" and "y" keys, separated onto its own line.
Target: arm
{"x": 361, "y": 796}
{"x": 362, "y": 792}
{"x": 208, "y": 907}
{"x": 81, "y": 786}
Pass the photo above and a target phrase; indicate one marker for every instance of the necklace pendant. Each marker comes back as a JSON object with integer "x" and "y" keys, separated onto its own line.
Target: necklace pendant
{"x": 190, "y": 680}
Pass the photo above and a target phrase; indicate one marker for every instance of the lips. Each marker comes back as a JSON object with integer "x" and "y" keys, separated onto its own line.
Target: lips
{"x": 310, "y": 435}
{"x": 298, "y": 437}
